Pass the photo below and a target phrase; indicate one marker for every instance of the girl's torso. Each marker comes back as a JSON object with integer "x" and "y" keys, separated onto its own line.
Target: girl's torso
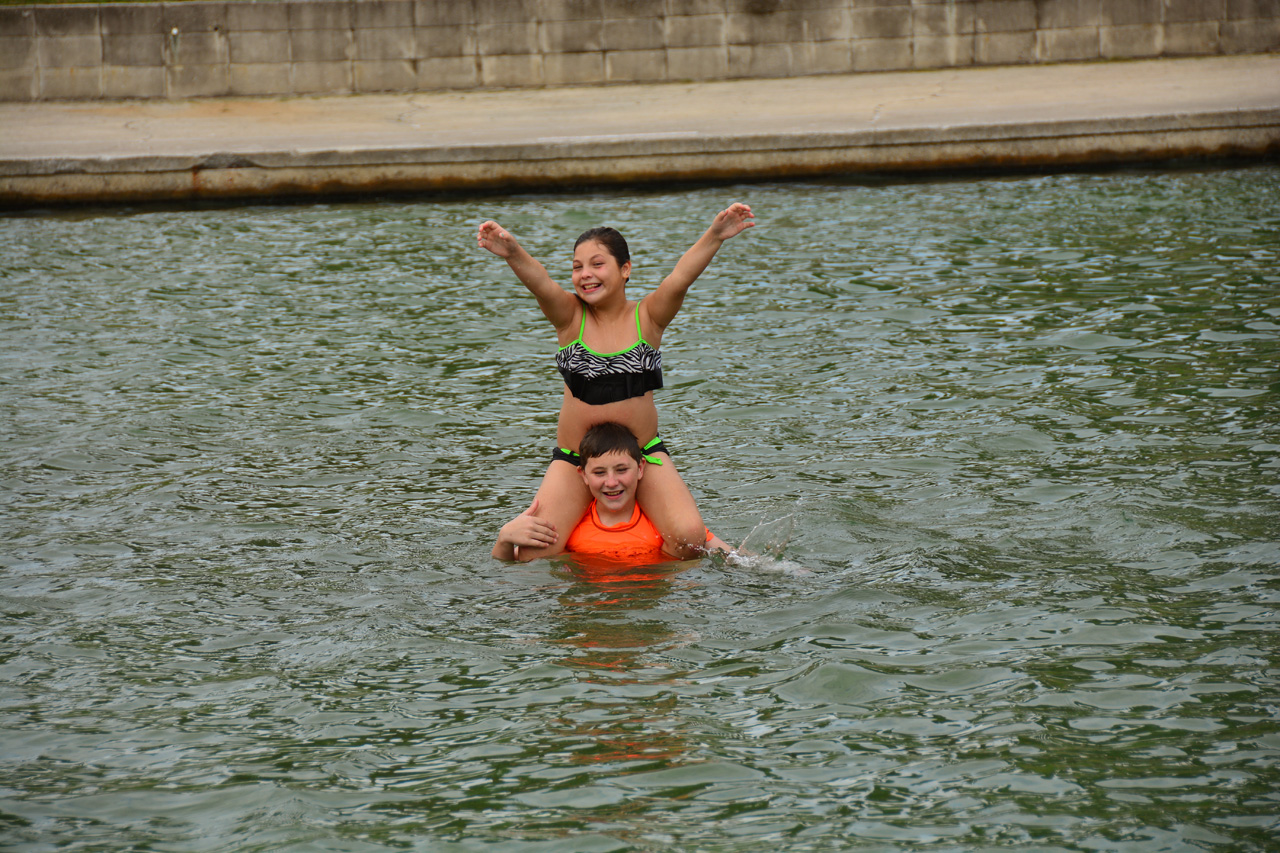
{"x": 639, "y": 414}
{"x": 610, "y": 373}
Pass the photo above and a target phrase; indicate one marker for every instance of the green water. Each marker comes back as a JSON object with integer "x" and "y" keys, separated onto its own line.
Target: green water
{"x": 1025, "y": 431}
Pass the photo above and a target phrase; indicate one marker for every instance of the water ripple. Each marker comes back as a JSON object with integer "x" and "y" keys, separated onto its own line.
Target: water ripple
{"x": 1023, "y": 432}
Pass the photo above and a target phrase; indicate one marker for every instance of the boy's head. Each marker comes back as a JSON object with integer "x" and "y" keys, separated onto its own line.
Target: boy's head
{"x": 612, "y": 466}
{"x": 609, "y": 438}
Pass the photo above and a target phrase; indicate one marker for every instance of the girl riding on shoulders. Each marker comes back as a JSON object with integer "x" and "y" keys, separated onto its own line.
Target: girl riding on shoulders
{"x": 610, "y": 360}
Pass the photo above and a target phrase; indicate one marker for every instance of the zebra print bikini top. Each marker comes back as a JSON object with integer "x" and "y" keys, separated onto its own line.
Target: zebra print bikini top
{"x": 598, "y": 378}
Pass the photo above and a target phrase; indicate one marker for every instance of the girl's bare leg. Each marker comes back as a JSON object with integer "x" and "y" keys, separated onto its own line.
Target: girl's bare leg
{"x": 667, "y": 501}
{"x": 562, "y": 500}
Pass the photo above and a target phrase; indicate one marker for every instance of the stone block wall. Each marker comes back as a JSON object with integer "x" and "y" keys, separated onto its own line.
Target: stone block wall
{"x": 302, "y": 47}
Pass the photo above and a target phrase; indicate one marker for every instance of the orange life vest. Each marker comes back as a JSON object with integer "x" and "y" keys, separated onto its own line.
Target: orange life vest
{"x": 629, "y": 540}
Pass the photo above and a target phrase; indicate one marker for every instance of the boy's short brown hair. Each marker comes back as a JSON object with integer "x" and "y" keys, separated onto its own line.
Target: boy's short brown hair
{"x": 609, "y": 437}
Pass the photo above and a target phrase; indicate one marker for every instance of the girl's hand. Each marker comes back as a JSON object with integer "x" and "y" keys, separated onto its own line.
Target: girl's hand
{"x": 496, "y": 239}
{"x": 732, "y": 221}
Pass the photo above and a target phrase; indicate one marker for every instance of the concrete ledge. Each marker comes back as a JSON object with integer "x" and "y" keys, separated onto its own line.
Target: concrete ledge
{"x": 1254, "y": 132}
{"x": 631, "y": 161}
{"x": 759, "y": 130}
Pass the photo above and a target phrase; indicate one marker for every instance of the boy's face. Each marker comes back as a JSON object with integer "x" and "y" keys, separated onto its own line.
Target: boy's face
{"x": 613, "y": 479}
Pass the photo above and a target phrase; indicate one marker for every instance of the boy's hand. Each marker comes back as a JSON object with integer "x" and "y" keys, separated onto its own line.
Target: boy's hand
{"x": 496, "y": 239}
{"x": 732, "y": 221}
{"x": 526, "y": 529}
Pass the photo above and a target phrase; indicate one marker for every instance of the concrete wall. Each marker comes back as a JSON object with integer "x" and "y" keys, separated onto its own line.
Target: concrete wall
{"x": 281, "y": 47}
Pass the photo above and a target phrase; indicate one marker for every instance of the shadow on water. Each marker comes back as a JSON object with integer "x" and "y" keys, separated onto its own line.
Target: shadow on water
{"x": 1018, "y": 435}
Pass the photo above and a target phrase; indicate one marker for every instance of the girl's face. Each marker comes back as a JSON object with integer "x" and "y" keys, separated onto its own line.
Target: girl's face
{"x": 596, "y": 273}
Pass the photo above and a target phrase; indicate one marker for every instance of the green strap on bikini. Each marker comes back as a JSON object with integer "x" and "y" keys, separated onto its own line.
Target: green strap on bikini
{"x": 652, "y": 460}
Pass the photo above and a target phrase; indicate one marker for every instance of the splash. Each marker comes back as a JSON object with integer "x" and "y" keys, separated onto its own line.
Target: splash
{"x": 762, "y": 548}
{"x": 768, "y": 538}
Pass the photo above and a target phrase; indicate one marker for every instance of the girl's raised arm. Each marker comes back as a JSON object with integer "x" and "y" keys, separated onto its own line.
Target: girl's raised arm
{"x": 558, "y": 305}
{"x": 663, "y": 304}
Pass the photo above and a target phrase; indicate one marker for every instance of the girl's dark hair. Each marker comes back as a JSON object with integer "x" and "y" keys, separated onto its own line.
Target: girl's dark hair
{"x": 609, "y": 437}
{"x": 610, "y": 239}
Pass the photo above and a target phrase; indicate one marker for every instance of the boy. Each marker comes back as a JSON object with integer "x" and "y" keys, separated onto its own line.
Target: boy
{"x": 614, "y": 526}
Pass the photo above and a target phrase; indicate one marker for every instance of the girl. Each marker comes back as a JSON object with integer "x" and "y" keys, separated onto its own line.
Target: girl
{"x": 611, "y": 365}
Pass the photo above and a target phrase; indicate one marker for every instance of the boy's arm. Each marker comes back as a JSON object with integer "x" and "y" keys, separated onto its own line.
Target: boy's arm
{"x": 713, "y": 543}
{"x": 663, "y": 304}
{"x": 558, "y": 305}
{"x": 526, "y": 530}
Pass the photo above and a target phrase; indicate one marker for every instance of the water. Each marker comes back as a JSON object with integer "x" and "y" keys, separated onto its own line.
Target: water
{"x": 1024, "y": 432}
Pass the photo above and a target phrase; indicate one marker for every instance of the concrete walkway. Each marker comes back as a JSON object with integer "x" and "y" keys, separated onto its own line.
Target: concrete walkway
{"x": 1049, "y": 116}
